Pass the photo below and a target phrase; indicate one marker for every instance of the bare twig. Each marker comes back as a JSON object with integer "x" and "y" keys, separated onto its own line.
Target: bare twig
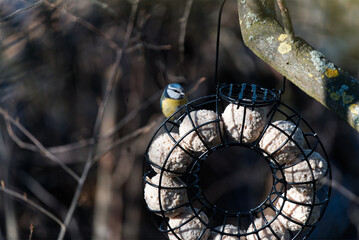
{"x": 82, "y": 22}
{"x": 49, "y": 200}
{"x": 72, "y": 146}
{"x": 41, "y": 193}
{"x": 104, "y": 6}
{"x": 138, "y": 132}
{"x": 92, "y": 150}
{"x": 90, "y": 141}
{"x": 120, "y": 124}
{"x": 89, "y": 26}
{"x": 132, "y": 115}
{"x": 39, "y": 147}
{"x": 99, "y": 118}
{"x": 149, "y": 46}
{"x": 17, "y": 140}
{"x": 104, "y": 181}
{"x": 31, "y": 228}
{"x": 157, "y": 47}
{"x": 343, "y": 190}
{"x": 25, "y": 199}
{"x": 287, "y": 21}
{"x": 92, "y": 28}
{"x": 195, "y": 87}
{"x": 21, "y": 10}
{"x": 183, "y": 25}
{"x": 110, "y": 132}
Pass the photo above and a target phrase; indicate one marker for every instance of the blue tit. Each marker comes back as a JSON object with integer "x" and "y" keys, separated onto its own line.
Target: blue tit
{"x": 173, "y": 97}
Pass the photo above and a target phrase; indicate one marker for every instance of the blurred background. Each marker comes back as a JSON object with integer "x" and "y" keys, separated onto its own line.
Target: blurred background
{"x": 56, "y": 58}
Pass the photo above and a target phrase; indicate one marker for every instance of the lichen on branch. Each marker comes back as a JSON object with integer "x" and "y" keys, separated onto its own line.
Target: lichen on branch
{"x": 303, "y": 65}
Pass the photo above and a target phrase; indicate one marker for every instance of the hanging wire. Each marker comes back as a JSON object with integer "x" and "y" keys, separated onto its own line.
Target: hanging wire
{"x": 217, "y": 46}
{"x": 281, "y": 91}
{"x": 284, "y": 83}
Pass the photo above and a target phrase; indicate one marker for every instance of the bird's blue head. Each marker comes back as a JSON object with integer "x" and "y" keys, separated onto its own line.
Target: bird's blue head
{"x": 174, "y": 91}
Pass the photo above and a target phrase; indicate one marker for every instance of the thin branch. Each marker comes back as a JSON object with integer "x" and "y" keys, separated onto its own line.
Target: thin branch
{"x": 39, "y": 147}
{"x": 136, "y": 133}
{"x": 195, "y": 87}
{"x": 89, "y": 26}
{"x": 183, "y": 25}
{"x": 120, "y": 124}
{"x": 31, "y": 228}
{"x": 18, "y": 141}
{"x": 21, "y": 10}
{"x": 343, "y": 190}
{"x": 25, "y": 199}
{"x": 41, "y": 193}
{"x": 90, "y": 141}
{"x": 49, "y": 200}
{"x": 157, "y": 47}
{"x": 92, "y": 28}
{"x": 92, "y": 150}
{"x": 144, "y": 105}
{"x": 287, "y": 21}
{"x": 104, "y": 6}
{"x": 141, "y": 45}
{"x": 99, "y": 118}
{"x": 110, "y": 132}
{"x": 72, "y": 146}
{"x": 132, "y": 115}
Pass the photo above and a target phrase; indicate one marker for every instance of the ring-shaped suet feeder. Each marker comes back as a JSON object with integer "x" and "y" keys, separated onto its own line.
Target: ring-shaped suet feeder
{"x": 244, "y": 115}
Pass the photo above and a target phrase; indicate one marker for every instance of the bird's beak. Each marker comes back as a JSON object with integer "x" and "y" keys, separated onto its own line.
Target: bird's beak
{"x": 182, "y": 94}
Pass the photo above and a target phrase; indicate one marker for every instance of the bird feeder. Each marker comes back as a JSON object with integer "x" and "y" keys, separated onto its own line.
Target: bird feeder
{"x": 248, "y": 116}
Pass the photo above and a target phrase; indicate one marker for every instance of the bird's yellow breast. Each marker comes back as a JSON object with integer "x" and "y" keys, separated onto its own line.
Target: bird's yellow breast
{"x": 169, "y": 106}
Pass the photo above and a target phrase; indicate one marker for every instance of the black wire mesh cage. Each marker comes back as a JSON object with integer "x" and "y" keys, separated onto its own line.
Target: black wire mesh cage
{"x": 244, "y": 116}
{"x": 248, "y": 116}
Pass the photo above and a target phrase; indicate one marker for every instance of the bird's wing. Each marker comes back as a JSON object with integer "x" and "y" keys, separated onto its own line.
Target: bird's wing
{"x": 161, "y": 100}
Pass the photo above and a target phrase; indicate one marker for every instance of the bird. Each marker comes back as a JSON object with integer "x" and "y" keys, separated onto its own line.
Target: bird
{"x": 173, "y": 97}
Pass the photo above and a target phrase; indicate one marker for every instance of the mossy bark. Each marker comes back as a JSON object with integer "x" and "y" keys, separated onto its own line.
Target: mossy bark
{"x": 306, "y": 67}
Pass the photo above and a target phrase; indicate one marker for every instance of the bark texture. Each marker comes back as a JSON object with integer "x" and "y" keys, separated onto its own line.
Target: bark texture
{"x": 306, "y": 67}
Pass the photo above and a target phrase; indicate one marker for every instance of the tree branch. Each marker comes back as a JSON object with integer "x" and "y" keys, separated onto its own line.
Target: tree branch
{"x": 109, "y": 88}
{"x": 134, "y": 134}
{"x": 183, "y": 25}
{"x": 287, "y": 21}
{"x": 343, "y": 190}
{"x": 36, "y": 146}
{"x": 306, "y": 67}
{"x": 119, "y": 125}
{"x": 21, "y": 10}
{"x": 24, "y": 198}
{"x": 87, "y": 25}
